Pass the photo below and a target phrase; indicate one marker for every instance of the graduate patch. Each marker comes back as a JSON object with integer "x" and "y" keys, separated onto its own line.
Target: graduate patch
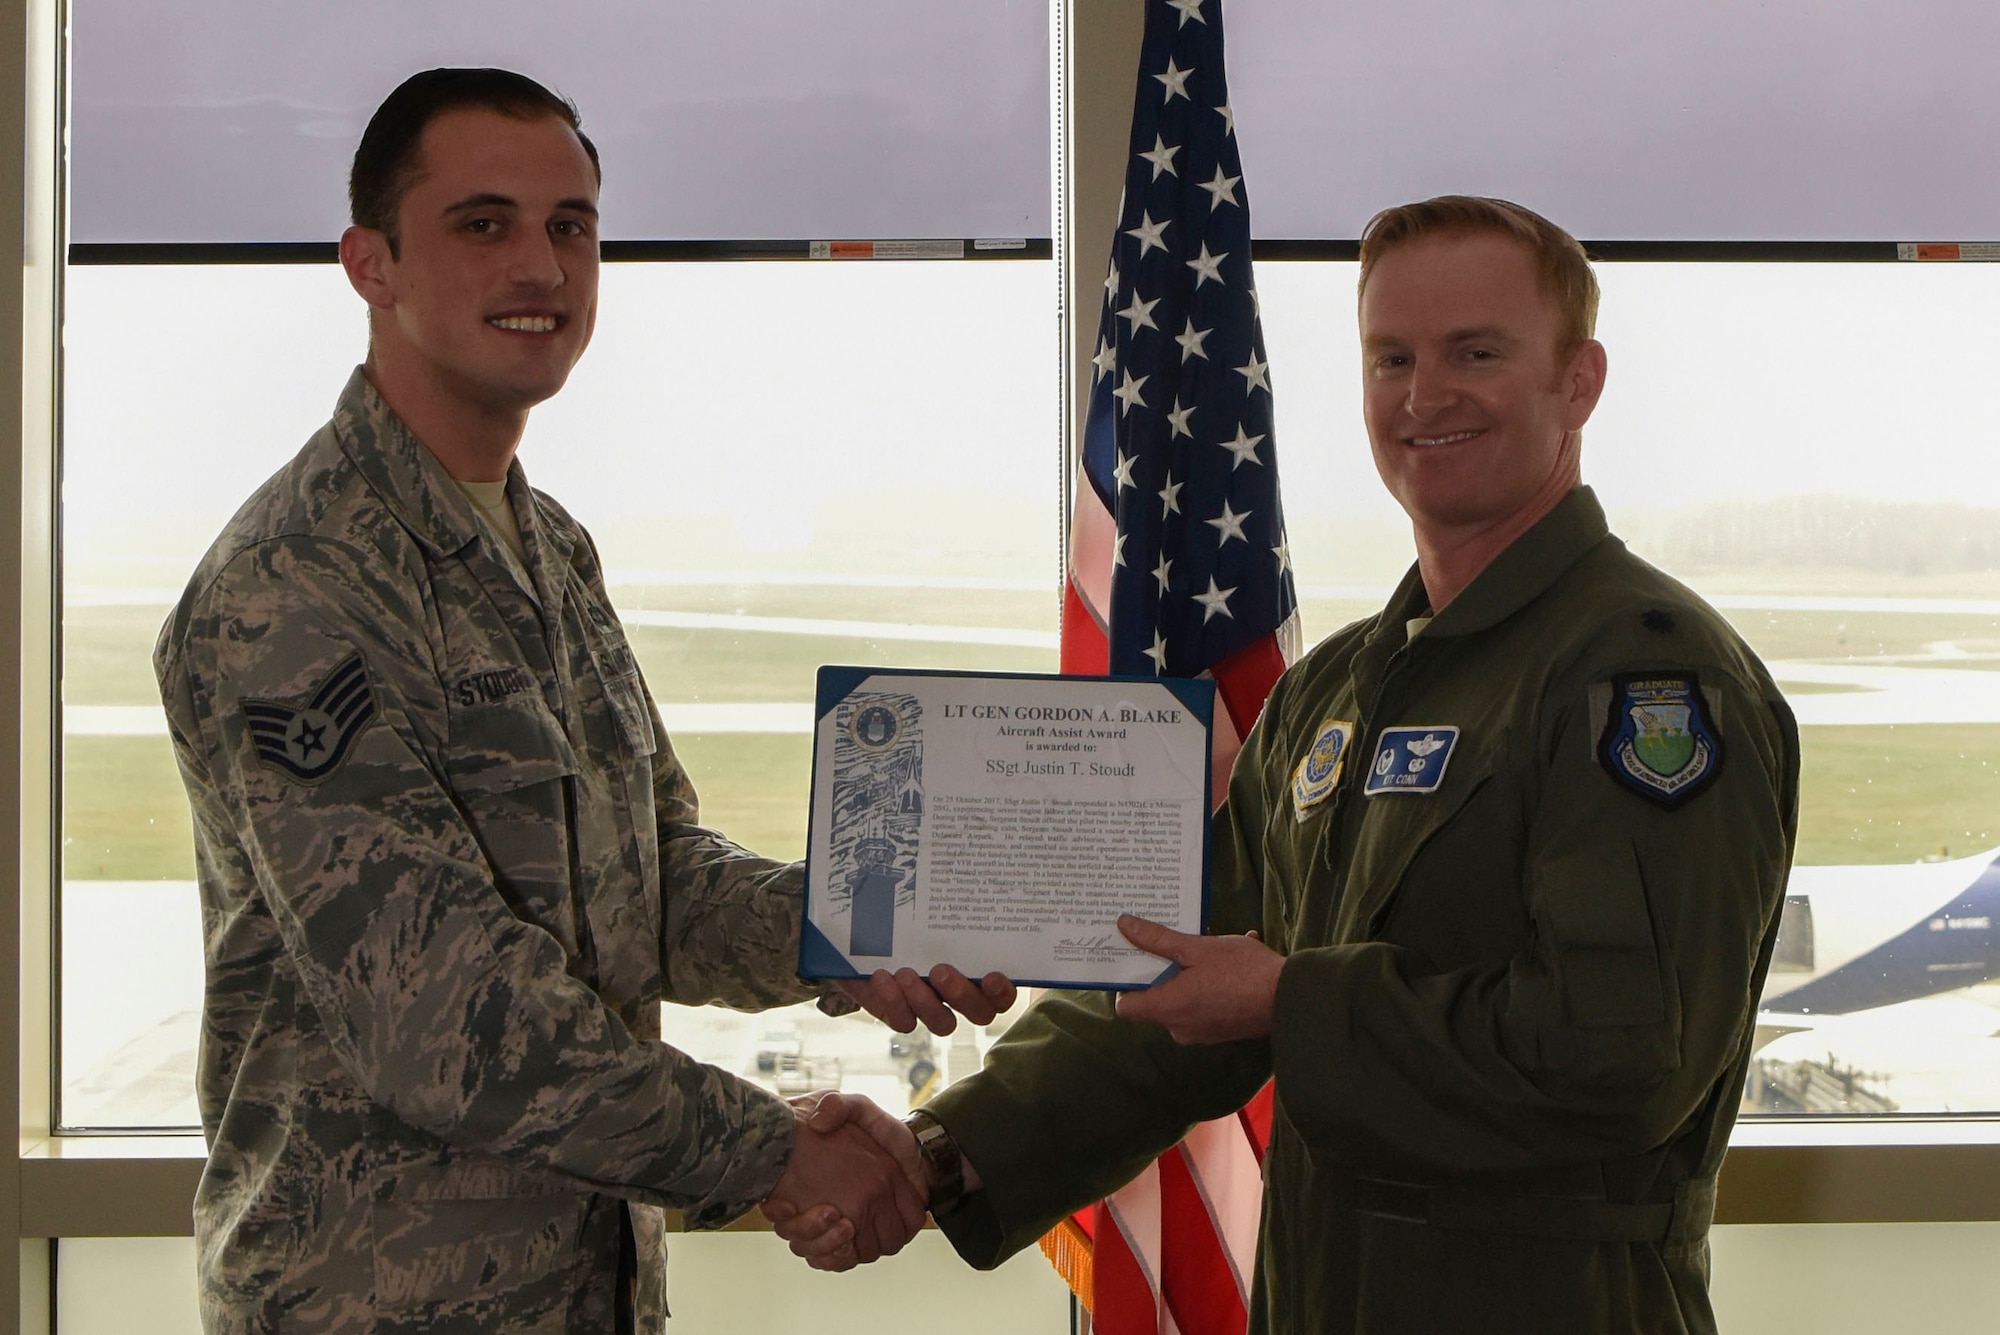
{"x": 1411, "y": 760}
{"x": 306, "y": 742}
{"x": 1319, "y": 773}
{"x": 1659, "y": 740}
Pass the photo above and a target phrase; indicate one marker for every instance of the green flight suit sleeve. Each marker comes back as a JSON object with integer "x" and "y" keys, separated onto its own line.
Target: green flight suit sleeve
{"x": 1632, "y": 998}
{"x": 449, "y": 1009}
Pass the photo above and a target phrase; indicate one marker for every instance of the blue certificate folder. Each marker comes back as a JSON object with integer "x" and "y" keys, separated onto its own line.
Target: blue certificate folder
{"x": 1003, "y": 821}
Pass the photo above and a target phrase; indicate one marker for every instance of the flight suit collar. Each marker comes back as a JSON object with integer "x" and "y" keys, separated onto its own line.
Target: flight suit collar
{"x": 421, "y": 494}
{"x": 1510, "y": 582}
{"x": 1524, "y": 570}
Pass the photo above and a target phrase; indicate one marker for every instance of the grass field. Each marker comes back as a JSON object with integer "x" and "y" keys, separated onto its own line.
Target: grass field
{"x": 1871, "y": 794}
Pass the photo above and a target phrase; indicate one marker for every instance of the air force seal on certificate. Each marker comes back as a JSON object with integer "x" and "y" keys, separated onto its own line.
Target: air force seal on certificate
{"x": 1319, "y": 773}
{"x": 1659, "y": 740}
{"x": 1411, "y": 760}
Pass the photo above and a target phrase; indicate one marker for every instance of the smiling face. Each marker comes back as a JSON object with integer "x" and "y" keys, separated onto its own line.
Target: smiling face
{"x": 1472, "y": 415}
{"x": 491, "y": 295}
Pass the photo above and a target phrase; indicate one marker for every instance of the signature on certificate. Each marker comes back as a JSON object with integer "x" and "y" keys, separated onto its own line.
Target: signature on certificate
{"x": 1104, "y": 946}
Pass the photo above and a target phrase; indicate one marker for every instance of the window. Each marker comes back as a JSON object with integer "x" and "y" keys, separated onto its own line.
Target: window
{"x": 1805, "y": 444}
{"x": 783, "y": 463}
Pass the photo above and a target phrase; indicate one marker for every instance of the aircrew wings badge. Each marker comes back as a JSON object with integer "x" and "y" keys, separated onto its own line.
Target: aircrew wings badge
{"x": 1660, "y": 741}
{"x": 307, "y": 742}
{"x": 1319, "y": 773}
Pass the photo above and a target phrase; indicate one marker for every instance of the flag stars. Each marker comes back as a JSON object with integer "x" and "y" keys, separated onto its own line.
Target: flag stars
{"x": 1244, "y": 447}
{"x": 1140, "y": 313}
{"x": 1121, "y": 472}
{"x": 1191, "y": 340}
{"x": 1207, "y": 266}
{"x": 1111, "y": 283}
{"x": 1229, "y": 524}
{"x": 1190, "y": 9}
{"x": 1127, "y": 394}
{"x": 1162, "y": 157}
{"x": 1175, "y": 80}
{"x": 1228, "y": 118}
{"x": 1215, "y": 602}
{"x": 1253, "y": 374}
{"x": 1164, "y": 573}
{"x": 1170, "y": 497}
{"x": 1106, "y": 360}
{"x": 1179, "y": 419}
{"x": 1221, "y": 190}
{"x": 1118, "y": 544}
{"x": 1283, "y": 551}
{"x": 1149, "y": 232}
{"x": 1158, "y": 653}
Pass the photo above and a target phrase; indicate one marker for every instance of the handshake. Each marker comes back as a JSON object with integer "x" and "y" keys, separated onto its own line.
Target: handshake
{"x": 855, "y": 1188}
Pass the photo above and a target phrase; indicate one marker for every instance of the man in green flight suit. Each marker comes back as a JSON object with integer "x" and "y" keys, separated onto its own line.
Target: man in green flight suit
{"x": 1495, "y": 886}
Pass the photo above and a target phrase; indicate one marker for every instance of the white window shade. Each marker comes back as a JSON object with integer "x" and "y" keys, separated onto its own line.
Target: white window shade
{"x": 235, "y": 120}
{"x": 1787, "y": 120}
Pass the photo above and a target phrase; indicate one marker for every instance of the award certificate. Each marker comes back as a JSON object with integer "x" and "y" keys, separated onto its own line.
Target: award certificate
{"x": 1004, "y": 822}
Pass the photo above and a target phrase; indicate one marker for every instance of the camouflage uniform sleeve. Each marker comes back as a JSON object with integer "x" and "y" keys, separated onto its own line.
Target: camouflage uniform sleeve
{"x": 452, "y": 1012}
{"x": 730, "y": 929}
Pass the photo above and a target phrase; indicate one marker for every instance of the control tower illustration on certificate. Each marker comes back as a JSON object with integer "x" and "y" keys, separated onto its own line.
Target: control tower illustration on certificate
{"x": 878, "y": 813}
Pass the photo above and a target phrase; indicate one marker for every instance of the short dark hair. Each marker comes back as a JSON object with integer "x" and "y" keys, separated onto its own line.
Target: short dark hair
{"x": 1561, "y": 267}
{"x": 386, "y": 164}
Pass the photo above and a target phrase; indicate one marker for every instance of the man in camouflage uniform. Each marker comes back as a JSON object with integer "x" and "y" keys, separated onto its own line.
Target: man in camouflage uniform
{"x": 1495, "y": 887}
{"x": 449, "y": 864}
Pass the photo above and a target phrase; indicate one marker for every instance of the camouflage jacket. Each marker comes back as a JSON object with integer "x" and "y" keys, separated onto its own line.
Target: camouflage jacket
{"x": 449, "y": 868}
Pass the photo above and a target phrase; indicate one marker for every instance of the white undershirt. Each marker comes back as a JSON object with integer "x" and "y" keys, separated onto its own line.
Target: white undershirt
{"x": 490, "y": 500}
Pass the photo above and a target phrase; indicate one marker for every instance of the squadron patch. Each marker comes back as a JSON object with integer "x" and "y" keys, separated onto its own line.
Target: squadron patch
{"x": 1319, "y": 773}
{"x": 307, "y": 742}
{"x": 1411, "y": 760}
{"x": 1659, "y": 740}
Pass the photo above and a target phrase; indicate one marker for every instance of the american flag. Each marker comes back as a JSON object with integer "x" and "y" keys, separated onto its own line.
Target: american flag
{"x": 1179, "y": 567}
{"x": 1178, "y": 559}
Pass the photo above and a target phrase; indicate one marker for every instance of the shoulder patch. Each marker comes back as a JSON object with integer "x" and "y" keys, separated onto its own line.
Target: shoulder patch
{"x": 307, "y": 742}
{"x": 1319, "y": 773}
{"x": 1660, "y": 739}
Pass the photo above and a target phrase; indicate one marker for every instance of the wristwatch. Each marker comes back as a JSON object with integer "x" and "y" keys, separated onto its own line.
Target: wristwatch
{"x": 941, "y": 1162}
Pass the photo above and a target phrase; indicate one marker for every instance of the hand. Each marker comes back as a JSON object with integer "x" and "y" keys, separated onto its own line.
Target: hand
{"x": 901, "y": 999}
{"x": 828, "y": 1110}
{"x": 1224, "y": 991}
{"x": 858, "y": 1202}
{"x": 819, "y": 1232}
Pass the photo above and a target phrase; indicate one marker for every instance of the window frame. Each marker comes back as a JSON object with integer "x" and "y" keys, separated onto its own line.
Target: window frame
{"x": 1779, "y": 1171}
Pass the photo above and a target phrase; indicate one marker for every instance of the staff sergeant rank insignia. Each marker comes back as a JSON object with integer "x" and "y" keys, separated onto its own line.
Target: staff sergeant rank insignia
{"x": 1659, "y": 740}
{"x": 307, "y": 742}
{"x": 1319, "y": 773}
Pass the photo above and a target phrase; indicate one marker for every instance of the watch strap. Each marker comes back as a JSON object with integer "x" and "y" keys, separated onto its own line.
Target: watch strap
{"x": 942, "y": 1164}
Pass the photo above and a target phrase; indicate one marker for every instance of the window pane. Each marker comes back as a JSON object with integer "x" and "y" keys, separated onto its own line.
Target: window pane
{"x": 235, "y": 120}
{"x": 868, "y": 479}
{"x": 1809, "y": 446}
{"x": 1790, "y": 120}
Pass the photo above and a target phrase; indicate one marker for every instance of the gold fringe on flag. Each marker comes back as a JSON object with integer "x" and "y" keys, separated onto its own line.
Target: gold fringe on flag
{"x": 1068, "y": 1248}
